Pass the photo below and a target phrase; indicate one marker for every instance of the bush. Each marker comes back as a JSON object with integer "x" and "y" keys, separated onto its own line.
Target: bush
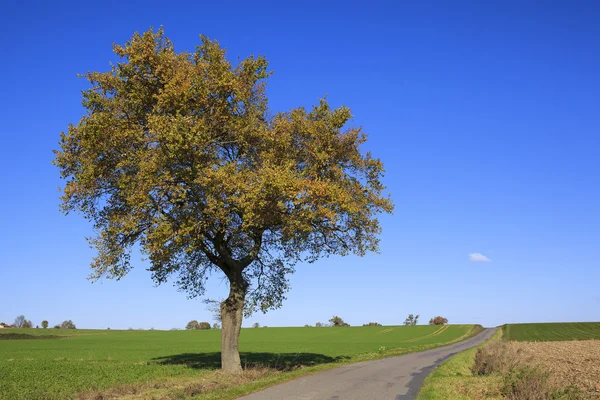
{"x": 438, "y": 321}
{"x": 372, "y": 324}
{"x": 498, "y": 358}
{"x": 204, "y": 325}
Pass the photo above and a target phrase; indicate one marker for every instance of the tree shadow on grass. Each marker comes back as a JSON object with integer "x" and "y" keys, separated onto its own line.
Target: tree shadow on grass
{"x": 281, "y": 361}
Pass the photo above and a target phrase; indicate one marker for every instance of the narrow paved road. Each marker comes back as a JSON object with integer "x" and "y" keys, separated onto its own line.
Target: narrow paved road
{"x": 394, "y": 378}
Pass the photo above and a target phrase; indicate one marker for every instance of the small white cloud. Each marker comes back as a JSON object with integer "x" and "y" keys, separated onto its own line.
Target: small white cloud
{"x": 478, "y": 257}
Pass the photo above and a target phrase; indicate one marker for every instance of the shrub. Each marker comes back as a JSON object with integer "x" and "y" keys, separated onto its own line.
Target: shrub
{"x": 438, "y": 321}
{"x": 498, "y": 358}
{"x": 204, "y": 325}
{"x": 526, "y": 383}
{"x": 372, "y": 324}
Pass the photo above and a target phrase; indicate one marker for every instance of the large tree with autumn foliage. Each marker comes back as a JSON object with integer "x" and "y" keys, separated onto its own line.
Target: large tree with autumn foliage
{"x": 178, "y": 153}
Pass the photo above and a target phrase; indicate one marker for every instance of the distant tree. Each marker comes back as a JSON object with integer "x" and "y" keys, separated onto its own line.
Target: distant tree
{"x": 319, "y": 325}
{"x": 337, "y": 321}
{"x": 438, "y": 321}
{"x": 411, "y": 320}
{"x": 56, "y": 326}
{"x": 44, "y": 324}
{"x": 20, "y": 322}
{"x": 68, "y": 324}
{"x": 37, "y": 327}
{"x": 307, "y": 326}
{"x": 108, "y": 329}
{"x": 372, "y": 324}
{"x": 204, "y": 325}
{"x": 256, "y": 325}
{"x": 193, "y": 324}
{"x": 152, "y": 328}
{"x": 216, "y": 326}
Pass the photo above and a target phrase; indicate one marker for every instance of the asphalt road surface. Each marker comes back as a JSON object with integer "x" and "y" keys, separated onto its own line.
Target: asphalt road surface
{"x": 394, "y": 378}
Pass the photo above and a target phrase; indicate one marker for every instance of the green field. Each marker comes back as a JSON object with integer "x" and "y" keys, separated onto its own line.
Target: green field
{"x": 83, "y": 360}
{"x": 547, "y": 332}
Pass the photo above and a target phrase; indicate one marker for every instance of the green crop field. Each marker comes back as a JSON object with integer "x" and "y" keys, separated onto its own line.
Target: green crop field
{"x": 76, "y": 361}
{"x": 552, "y": 331}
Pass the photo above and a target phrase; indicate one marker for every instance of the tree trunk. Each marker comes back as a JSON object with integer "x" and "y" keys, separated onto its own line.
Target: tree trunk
{"x": 232, "y": 312}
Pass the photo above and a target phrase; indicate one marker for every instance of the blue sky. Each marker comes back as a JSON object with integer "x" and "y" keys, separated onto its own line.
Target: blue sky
{"x": 486, "y": 117}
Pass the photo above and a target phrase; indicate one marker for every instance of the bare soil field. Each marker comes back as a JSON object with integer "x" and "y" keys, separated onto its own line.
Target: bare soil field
{"x": 574, "y": 362}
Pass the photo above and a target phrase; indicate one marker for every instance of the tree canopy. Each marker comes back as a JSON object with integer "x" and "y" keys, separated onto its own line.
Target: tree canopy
{"x": 179, "y": 153}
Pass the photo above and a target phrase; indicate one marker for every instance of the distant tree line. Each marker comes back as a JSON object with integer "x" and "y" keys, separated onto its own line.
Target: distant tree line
{"x": 411, "y": 320}
{"x": 22, "y": 322}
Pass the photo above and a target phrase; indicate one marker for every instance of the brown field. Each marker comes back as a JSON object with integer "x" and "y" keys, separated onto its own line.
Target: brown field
{"x": 570, "y": 362}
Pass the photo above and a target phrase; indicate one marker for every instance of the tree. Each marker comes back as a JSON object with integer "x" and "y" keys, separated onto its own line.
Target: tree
{"x": 56, "y": 326}
{"x": 216, "y": 326}
{"x": 20, "y": 322}
{"x": 68, "y": 324}
{"x": 256, "y": 325}
{"x": 179, "y": 153}
{"x": 411, "y": 320}
{"x": 27, "y": 324}
{"x": 372, "y": 324}
{"x": 44, "y": 324}
{"x": 438, "y": 321}
{"x": 337, "y": 321}
{"x": 193, "y": 324}
{"x": 319, "y": 325}
{"x": 204, "y": 325}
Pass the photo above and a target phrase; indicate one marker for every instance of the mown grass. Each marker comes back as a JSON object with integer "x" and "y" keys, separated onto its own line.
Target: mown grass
{"x": 548, "y": 332}
{"x": 94, "y": 360}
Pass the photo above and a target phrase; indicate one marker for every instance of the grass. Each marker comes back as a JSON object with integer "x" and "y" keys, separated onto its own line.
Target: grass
{"x": 454, "y": 379}
{"x": 169, "y": 362}
{"x": 549, "y": 332}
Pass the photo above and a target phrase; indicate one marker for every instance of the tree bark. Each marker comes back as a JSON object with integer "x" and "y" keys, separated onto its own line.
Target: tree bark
{"x": 232, "y": 312}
